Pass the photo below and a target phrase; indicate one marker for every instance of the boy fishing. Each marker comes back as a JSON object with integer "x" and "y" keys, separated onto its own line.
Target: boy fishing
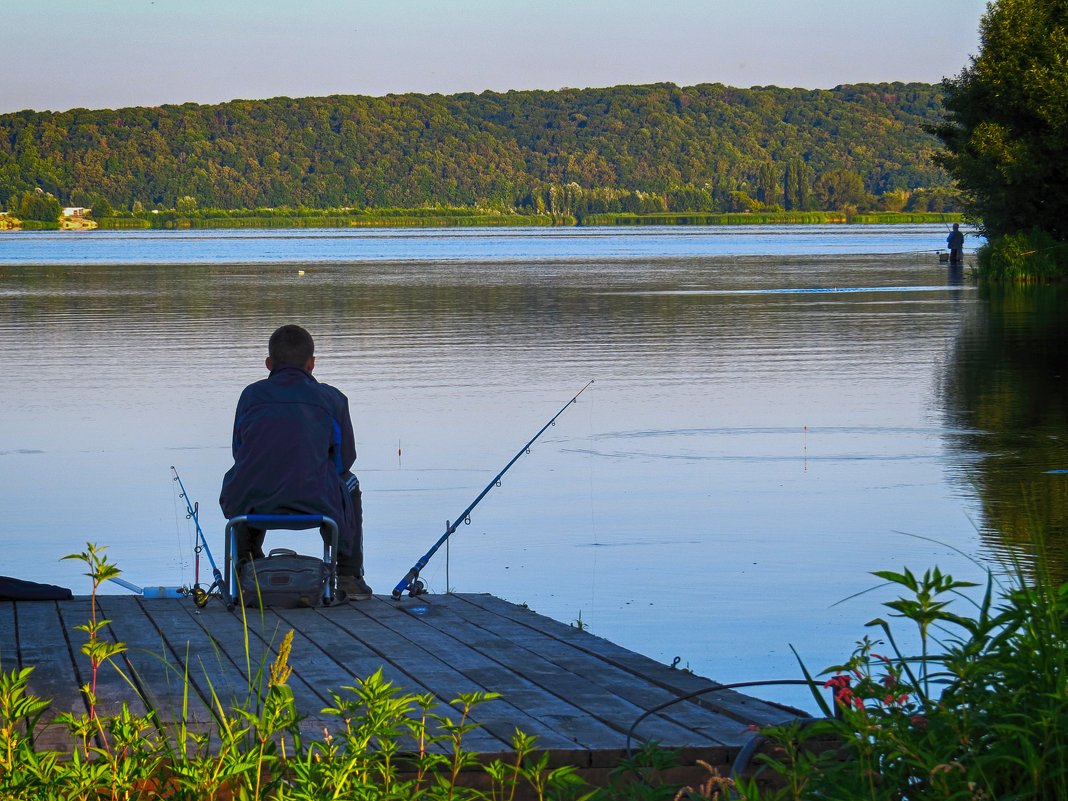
{"x": 294, "y": 448}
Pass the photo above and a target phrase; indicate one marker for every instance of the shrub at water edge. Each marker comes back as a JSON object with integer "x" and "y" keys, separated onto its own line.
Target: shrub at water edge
{"x": 980, "y": 713}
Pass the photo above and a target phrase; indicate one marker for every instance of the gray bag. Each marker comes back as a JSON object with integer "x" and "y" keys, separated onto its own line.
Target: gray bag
{"x": 284, "y": 578}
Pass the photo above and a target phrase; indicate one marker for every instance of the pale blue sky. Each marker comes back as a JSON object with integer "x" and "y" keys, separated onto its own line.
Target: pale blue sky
{"x": 113, "y": 53}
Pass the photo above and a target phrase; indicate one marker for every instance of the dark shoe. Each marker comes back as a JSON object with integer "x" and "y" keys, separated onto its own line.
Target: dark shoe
{"x": 354, "y": 587}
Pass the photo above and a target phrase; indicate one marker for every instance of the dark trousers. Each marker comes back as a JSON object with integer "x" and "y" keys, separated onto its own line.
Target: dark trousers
{"x": 351, "y": 563}
{"x": 248, "y": 541}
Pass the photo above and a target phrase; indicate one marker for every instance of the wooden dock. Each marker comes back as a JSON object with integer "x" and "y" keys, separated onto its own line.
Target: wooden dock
{"x": 578, "y": 693}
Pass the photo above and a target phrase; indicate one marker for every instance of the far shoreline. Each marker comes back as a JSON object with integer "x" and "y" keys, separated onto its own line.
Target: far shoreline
{"x": 463, "y": 218}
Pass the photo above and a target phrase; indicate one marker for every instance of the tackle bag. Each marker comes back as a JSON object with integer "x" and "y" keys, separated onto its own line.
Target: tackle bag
{"x": 284, "y": 578}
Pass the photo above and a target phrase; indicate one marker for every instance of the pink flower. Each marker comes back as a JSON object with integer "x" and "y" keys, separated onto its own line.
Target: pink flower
{"x": 843, "y": 693}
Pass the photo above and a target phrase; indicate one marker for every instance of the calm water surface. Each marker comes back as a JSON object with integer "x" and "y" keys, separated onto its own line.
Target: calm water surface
{"x": 459, "y": 245}
{"x": 776, "y": 412}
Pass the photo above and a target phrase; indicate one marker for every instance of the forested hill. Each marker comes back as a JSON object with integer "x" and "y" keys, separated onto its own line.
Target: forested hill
{"x": 707, "y": 146}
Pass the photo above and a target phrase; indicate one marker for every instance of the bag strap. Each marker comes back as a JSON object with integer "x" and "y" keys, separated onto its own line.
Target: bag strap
{"x": 281, "y": 552}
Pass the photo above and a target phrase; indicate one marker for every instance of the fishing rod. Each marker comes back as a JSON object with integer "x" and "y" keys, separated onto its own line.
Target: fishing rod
{"x": 200, "y": 595}
{"x": 411, "y": 581}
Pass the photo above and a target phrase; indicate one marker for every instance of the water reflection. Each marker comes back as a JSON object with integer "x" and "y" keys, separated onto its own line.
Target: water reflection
{"x": 1007, "y": 392}
{"x": 754, "y": 445}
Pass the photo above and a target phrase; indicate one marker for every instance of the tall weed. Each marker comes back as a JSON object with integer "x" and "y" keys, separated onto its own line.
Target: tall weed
{"x": 980, "y": 713}
{"x": 390, "y": 746}
{"x": 1024, "y": 256}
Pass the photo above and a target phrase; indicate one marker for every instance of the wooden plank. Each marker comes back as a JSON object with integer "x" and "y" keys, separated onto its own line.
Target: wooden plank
{"x": 9, "y": 648}
{"x": 216, "y": 679}
{"x": 246, "y": 650}
{"x": 338, "y": 659}
{"x": 570, "y": 725}
{"x": 9, "y": 644}
{"x": 578, "y": 693}
{"x": 211, "y": 644}
{"x": 445, "y": 668}
{"x": 112, "y": 688}
{"x": 43, "y": 646}
{"x": 700, "y": 724}
{"x": 743, "y": 708}
{"x": 251, "y": 642}
{"x": 157, "y": 671}
{"x": 567, "y": 688}
{"x": 410, "y": 667}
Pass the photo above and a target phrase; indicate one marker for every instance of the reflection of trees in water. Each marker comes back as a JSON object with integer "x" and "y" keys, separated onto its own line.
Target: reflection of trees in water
{"x": 1006, "y": 389}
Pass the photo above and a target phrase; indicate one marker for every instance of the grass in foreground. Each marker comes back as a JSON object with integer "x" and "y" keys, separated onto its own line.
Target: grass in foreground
{"x": 980, "y": 712}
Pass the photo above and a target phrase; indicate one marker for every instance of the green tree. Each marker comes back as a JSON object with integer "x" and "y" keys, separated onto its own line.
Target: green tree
{"x": 894, "y": 201}
{"x": 768, "y": 187}
{"x": 841, "y": 189}
{"x": 101, "y": 208}
{"x": 38, "y": 205}
{"x": 1006, "y": 131}
{"x": 81, "y": 197}
{"x": 797, "y": 191}
{"x": 480, "y": 149}
{"x": 741, "y": 202}
{"x": 689, "y": 198}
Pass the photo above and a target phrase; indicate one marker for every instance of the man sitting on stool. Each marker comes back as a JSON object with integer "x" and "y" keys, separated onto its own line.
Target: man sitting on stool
{"x": 293, "y": 449}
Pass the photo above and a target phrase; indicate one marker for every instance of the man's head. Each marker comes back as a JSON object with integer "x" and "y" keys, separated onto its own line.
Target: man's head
{"x": 956, "y": 226}
{"x": 290, "y": 345}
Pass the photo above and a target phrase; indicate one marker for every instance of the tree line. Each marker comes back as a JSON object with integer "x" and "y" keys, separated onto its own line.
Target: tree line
{"x": 640, "y": 149}
{"x": 1006, "y": 138}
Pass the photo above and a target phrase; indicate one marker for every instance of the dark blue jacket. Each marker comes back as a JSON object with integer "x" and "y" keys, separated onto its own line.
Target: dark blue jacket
{"x": 293, "y": 444}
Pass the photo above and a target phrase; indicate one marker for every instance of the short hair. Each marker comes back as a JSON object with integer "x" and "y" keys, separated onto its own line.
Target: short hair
{"x": 290, "y": 344}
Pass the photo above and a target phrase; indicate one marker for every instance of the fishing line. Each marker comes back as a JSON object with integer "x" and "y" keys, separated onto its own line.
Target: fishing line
{"x": 909, "y": 252}
{"x": 705, "y": 690}
{"x": 411, "y": 581}
{"x": 1043, "y": 250}
{"x": 183, "y": 549}
{"x": 741, "y": 761}
{"x": 590, "y": 499}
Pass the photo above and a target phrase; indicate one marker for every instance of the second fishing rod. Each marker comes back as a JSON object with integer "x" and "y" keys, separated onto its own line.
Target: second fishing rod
{"x": 411, "y": 582}
{"x": 200, "y": 595}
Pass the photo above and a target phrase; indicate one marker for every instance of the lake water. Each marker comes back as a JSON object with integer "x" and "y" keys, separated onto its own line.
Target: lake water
{"x": 775, "y": 413}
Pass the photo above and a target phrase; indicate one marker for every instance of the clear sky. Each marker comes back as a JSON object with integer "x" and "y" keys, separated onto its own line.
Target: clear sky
{"x": 65, "y": 54}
